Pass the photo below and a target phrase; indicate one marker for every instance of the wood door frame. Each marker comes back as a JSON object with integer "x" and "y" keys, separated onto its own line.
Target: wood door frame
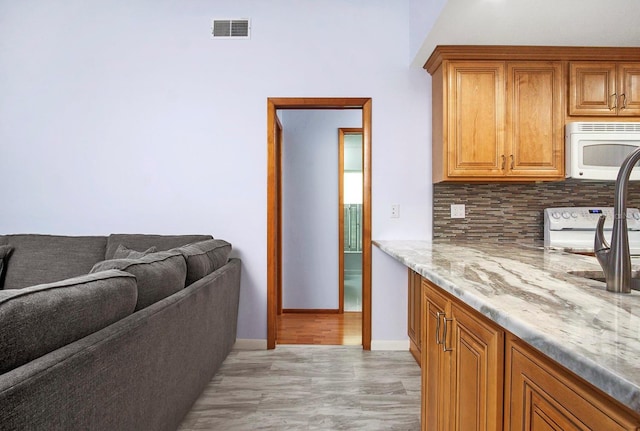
{"x": 341, "y": 134}
{"x": 278, "y": 176}
{"x": 274, "y": 206}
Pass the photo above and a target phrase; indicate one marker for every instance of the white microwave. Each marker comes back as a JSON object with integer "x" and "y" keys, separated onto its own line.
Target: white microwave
{"x": 595, "y": 150}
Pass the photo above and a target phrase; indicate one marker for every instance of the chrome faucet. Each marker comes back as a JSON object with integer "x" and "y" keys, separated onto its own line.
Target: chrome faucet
{"x": 615, "y": 260}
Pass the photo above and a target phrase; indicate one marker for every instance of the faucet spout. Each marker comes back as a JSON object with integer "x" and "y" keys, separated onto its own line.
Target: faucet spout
{"x": 615, "y": 259}
{"x": 602, "y": 249}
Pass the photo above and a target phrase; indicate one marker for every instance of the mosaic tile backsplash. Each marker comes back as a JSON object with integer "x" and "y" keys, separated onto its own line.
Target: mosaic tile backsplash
{"x": 514, "y": 212}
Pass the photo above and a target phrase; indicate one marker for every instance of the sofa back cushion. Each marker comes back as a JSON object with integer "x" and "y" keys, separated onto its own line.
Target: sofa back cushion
{"x": 123, "y": 252}
{"x": 39, "y": 259}
{"x": 143, "y": 242}
{"x": 158, "y": 274}
{"x": 39, "y": 319}
{"x": 204, "y": 257}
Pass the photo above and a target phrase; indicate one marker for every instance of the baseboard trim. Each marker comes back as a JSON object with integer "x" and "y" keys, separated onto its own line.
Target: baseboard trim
{"x": 311, "y": 310}
{"x": 390, "y": 345}
{"x": 250, "y": 344}
{"x": 259, "y": 344}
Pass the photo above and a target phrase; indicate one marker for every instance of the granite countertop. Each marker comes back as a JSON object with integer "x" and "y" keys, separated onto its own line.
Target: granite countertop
{"x": 530, "y": 292}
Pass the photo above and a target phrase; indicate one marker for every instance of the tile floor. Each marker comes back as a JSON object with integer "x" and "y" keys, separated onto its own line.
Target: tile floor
{"x": 353, "y": 291}
{"x": 311, "y": 388}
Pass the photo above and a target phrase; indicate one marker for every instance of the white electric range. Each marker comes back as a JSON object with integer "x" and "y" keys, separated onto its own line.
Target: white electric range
{"x": 573, "y": 229}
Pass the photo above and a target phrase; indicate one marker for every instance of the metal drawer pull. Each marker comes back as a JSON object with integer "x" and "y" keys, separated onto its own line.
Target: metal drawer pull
{"x": 511, "y": 161}
{"x": 444, "y": 339}
{"x": 438, "y": 314}
{"x": 624, "y": 101}
{"x": 349, "y": 225}
{"x": 504, "y": 161}
{"x": 615, "y": 102}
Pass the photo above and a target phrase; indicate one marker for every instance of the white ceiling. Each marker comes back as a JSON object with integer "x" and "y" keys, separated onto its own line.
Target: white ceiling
{"x": 534, "y": 22}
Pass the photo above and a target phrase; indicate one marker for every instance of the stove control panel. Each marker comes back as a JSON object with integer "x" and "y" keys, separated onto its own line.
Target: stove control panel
{"x": 586, "y": 218}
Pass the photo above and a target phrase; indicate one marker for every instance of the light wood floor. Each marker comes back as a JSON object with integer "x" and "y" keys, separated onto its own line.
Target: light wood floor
{"x": 306, "y": 388}
{"x": 329, "y": 329}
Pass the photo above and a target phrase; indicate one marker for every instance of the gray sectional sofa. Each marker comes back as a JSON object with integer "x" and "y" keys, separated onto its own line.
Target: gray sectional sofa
{"x": 118, "y": 332}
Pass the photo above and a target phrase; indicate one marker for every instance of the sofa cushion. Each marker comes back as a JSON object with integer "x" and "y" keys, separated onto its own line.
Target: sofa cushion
{"x": 5, "y": 252}
{"x": 143, "y": 242}
{"x": 158, "y": 274}
{"x": 204, "y": 257}
{"x": 123, "y": 252}
{"x": 39, "y": 259}
{"x": 39, "y": 319}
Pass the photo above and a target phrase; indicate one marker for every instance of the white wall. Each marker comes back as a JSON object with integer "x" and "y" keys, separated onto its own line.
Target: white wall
{"x": 126, "y": 116}
{"x": 541, "y": 22}
{"x": 423, "y": 14}
{"x": 353, "y": 152}
{"x": 310, "y": 206}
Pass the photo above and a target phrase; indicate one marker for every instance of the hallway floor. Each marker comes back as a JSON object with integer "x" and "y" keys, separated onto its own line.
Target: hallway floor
{"x": 353, "y": 291}
{"x": 329, "y": 329}
{"x": 310, "y": 388}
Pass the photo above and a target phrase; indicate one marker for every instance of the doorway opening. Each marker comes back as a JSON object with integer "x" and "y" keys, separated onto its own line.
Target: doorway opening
{"x": 350, "y": 219}
{"x": 275, "y": 224}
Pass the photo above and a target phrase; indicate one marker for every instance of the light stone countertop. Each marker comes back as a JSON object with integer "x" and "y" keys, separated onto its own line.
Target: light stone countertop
{"x": 529, "y": 292}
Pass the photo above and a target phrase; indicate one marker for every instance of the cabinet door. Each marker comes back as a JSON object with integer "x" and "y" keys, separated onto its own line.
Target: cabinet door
{"x": 535, "y": 121}
{"x": 542, "y": 397}
{"x": 435, "y": 363}
{"x": 476, "y": 119}
{"x": 629, "y": 89}
{"x": 476, "y": 372}
{"x": 592, "y": 88}
{"x": 415, "y": 314}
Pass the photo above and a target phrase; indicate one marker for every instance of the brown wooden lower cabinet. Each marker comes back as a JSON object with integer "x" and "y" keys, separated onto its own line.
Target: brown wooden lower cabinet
{"x": 415, "y": 314}
{"x": 476, "y": 376}
{"x": 434, "y": 363}
{"x": 542, "y": 395}
{"x": 462, "y": 366}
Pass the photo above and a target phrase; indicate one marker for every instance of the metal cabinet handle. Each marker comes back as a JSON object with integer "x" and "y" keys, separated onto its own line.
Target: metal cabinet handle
{"x": 349, "y": 225}
{"x": 511, "y": 161}
{"x": 444, "y": 336}
{"x": 358, "y": 231}
{"x": 624, "y": 101}
{"x": 504, "y": 161}
{"x": 438, "y": 314}
{"x": 615, "y": 101}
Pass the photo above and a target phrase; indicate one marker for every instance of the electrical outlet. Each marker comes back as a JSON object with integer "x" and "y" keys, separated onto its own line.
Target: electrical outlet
{"x": 395, "y": 211}
{"x": 457, "y": 211}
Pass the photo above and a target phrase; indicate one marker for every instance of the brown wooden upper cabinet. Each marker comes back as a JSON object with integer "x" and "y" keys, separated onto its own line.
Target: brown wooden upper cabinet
{"x": 604, "y": 88}
{"x": 496, "y": 120}
{"x": 499, "y": 112}
{"x": 535, "y": 120}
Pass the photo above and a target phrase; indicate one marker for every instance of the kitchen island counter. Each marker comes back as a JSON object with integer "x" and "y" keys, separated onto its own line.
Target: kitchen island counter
{"x": 530, "y": 292}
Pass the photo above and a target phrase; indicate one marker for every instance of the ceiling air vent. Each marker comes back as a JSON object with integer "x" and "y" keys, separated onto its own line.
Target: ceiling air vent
{"x": 231, "y": 29}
